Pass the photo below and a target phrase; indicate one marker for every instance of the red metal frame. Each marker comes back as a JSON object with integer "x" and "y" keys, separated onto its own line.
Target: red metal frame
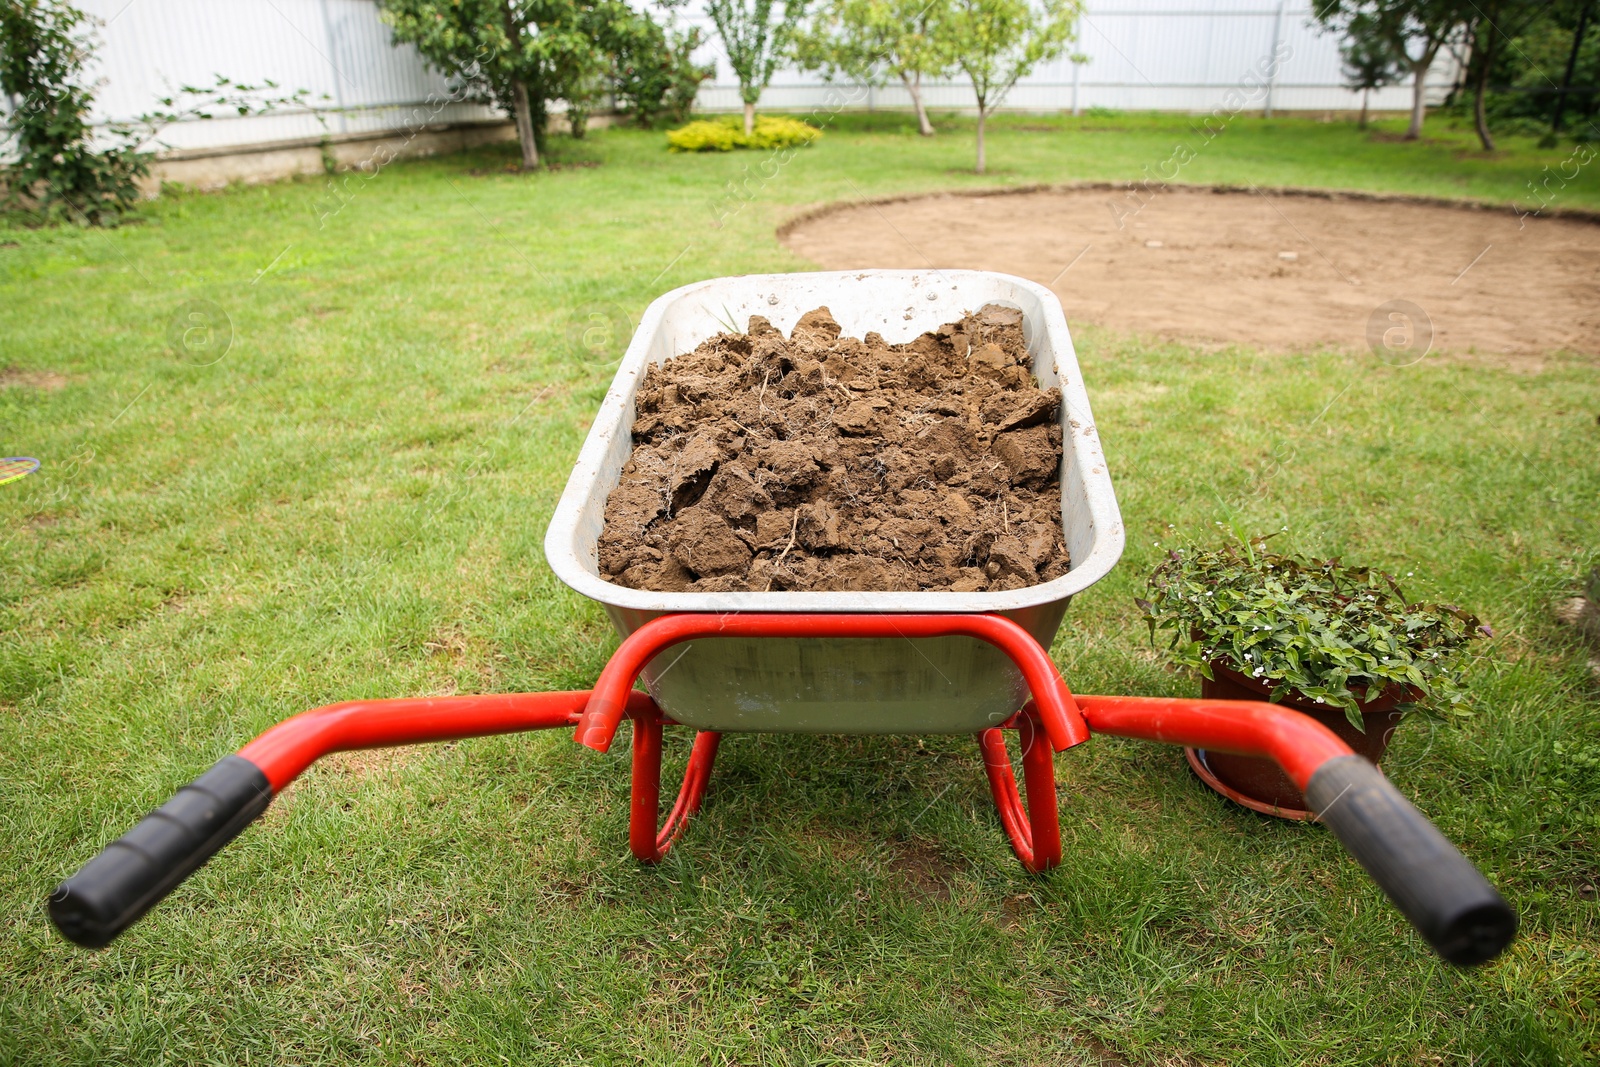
{"x": 1057, "y": 711}
{"x": 1035, "y": 831}
{"x": 287, "y": 749}
{"x": 645, "y": 841}
{"x": 1298, "y": 743}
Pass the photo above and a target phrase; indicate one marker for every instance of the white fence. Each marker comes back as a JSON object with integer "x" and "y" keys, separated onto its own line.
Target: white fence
{"x": 1160, "y": 55}
{"x": 1142, "y": 55}
{"x": 337, "y": 50}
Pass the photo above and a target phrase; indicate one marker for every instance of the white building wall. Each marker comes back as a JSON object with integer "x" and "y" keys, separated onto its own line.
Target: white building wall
{"x": 1159, "y": 55}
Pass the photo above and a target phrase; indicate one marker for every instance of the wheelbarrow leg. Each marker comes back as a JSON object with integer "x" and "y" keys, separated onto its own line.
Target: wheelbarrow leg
{"x": 1035, "y": 832}
{"x": 646, "y": 842}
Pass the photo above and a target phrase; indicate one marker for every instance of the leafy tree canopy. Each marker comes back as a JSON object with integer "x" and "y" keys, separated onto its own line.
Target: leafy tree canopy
{"x": 519, "y": 54}
{"x": 997, "y": 42}
{"x": 872, "y": 41}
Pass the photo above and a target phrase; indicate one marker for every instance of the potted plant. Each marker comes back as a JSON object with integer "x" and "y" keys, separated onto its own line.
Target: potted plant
{"x": 1340, "y": 643}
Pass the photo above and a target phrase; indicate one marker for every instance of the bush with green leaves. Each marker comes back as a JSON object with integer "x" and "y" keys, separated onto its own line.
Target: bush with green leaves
{"x": 724, "y": 135}
{"x": 59, "y": 170}
{"x": 66, "y": 167}
{"x": 1320, "y": 629}
{"x": 657, "y": 78}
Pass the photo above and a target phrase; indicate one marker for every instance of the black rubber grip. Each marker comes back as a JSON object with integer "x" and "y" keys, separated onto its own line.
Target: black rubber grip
{"x": 1452, "y": 905}
{"x": 146, "y": 863}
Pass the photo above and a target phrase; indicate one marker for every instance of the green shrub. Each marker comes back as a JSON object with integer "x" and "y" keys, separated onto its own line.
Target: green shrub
{"x": 724, "y": 135}
{"x": 656, "y": 75}
{"x": 59, "y": 170}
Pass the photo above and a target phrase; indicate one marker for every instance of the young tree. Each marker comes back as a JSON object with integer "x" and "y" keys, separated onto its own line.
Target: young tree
{"x": 1490, "y": 24}
{"x": 518, "y": 54}
{"x": 1369, "y": 60}
{"x": 1572, "y": 63}
{"x": 590, "y": 85}
{"x": 65, "y": 165}
{"x": 872, "y": 41}
{"x": 756, "y": 38}
{"x": 1415, "y": 30}
{"x": 996, "y": 42}
{"x": 43, "y": 49}
{"x": 657, "y": 78}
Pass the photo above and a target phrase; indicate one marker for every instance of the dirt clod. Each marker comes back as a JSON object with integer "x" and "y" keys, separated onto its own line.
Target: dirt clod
{"x": 823, "y": 462}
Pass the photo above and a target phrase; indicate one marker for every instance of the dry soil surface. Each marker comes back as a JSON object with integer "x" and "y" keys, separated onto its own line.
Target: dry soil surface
{"x": 1283, "y": 271}
{"x": 818, "y": 461}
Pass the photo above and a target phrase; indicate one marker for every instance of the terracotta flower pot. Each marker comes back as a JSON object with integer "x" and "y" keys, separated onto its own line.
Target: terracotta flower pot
{"x": 1258, "y": 783}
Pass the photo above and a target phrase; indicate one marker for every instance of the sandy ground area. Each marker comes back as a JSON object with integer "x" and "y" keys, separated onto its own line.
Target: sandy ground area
{"x": 1284, "y": 271}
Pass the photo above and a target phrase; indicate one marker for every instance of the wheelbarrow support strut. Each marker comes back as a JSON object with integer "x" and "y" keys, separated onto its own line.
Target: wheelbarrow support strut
{"x": 1436, "y": 888}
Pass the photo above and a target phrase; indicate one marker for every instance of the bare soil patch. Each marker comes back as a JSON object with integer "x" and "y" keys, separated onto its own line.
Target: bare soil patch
{"x": 823, "y": 462}
{"x": 42, "y": 380}
{"x": 1283, "y": 271}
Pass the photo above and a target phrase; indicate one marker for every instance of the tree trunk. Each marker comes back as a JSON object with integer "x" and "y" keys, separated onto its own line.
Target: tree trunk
{"x": 524, "y": 119}
{"x": 1572, "y": 61}
{"x": 1364, "y": 94}
{"x": 1480, "y": 89}
{"x": 983, "y": 115}
{"x": 749, "y": 118}
{"x": 914, "y": 87}
{"x": 1419, "y": 109}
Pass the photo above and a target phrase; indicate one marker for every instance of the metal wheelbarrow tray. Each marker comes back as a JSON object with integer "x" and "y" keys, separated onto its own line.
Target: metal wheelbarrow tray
{"x": 826, "y": 662}
{"x": 833, "y": 684}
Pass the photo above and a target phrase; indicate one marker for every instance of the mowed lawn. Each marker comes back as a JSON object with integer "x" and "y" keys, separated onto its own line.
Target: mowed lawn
{"x": 351, "y": 501}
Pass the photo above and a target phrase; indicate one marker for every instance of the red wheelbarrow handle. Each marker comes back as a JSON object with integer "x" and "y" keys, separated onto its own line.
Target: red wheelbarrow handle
{"x": 1436, "y": 887}
{"x": 1063, "y": 723}
{"x": 135, "y": 871}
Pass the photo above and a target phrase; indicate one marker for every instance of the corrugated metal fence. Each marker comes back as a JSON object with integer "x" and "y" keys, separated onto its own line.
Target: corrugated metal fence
{"x": 1145, "y": 55}
{"x": 1167, "y": 55}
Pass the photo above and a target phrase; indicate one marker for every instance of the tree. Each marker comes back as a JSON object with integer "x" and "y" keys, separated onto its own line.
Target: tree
{"x": 996, "y": 42}
{"x": 1572, "y": 62}
{"x": 590, "y": 85}
{"x": 43, "y": 48}
{"x": 65, "y": 165}
{"x": 517, "y": 54}
{"x": 1491, "y": 22}
{"x": 1414, "y": 29}
{"x": 1369, "y": 60}
{"x": 872, "y": 41}
{"x": 756, "y": 39}
{"x": 657, "y": 78}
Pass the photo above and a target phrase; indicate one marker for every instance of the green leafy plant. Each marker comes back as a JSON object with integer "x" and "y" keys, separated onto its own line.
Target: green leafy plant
{"x": 713, "y": 135}
{"x": 872, "y": 41}
{"x": 520, "y": 54}
{"x": 59, "y": 170}
{"x": 757, "y": 37}
{"x": 998, "y": 42}
{"x": 1333, "y": 633}
{"x": 1368, "y": 59}
{"x": 657, "y": 78}
{"x": 66, "y": 167}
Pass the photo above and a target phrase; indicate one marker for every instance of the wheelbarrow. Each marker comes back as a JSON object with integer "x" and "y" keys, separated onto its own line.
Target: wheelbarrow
{"x": 826, "y": 662}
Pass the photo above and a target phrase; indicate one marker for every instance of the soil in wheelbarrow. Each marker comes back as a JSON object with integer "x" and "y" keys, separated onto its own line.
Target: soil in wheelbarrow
{"x": 823, "y": 462}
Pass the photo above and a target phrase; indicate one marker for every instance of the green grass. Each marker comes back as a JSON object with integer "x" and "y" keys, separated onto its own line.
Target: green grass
{"x": 351, "y": 504}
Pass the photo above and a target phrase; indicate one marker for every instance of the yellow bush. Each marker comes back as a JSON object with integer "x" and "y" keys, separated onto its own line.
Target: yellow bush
{"x": 724, "y": 135}
{"x": 775, "y": 132}
{"x": 703, "y": 136}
